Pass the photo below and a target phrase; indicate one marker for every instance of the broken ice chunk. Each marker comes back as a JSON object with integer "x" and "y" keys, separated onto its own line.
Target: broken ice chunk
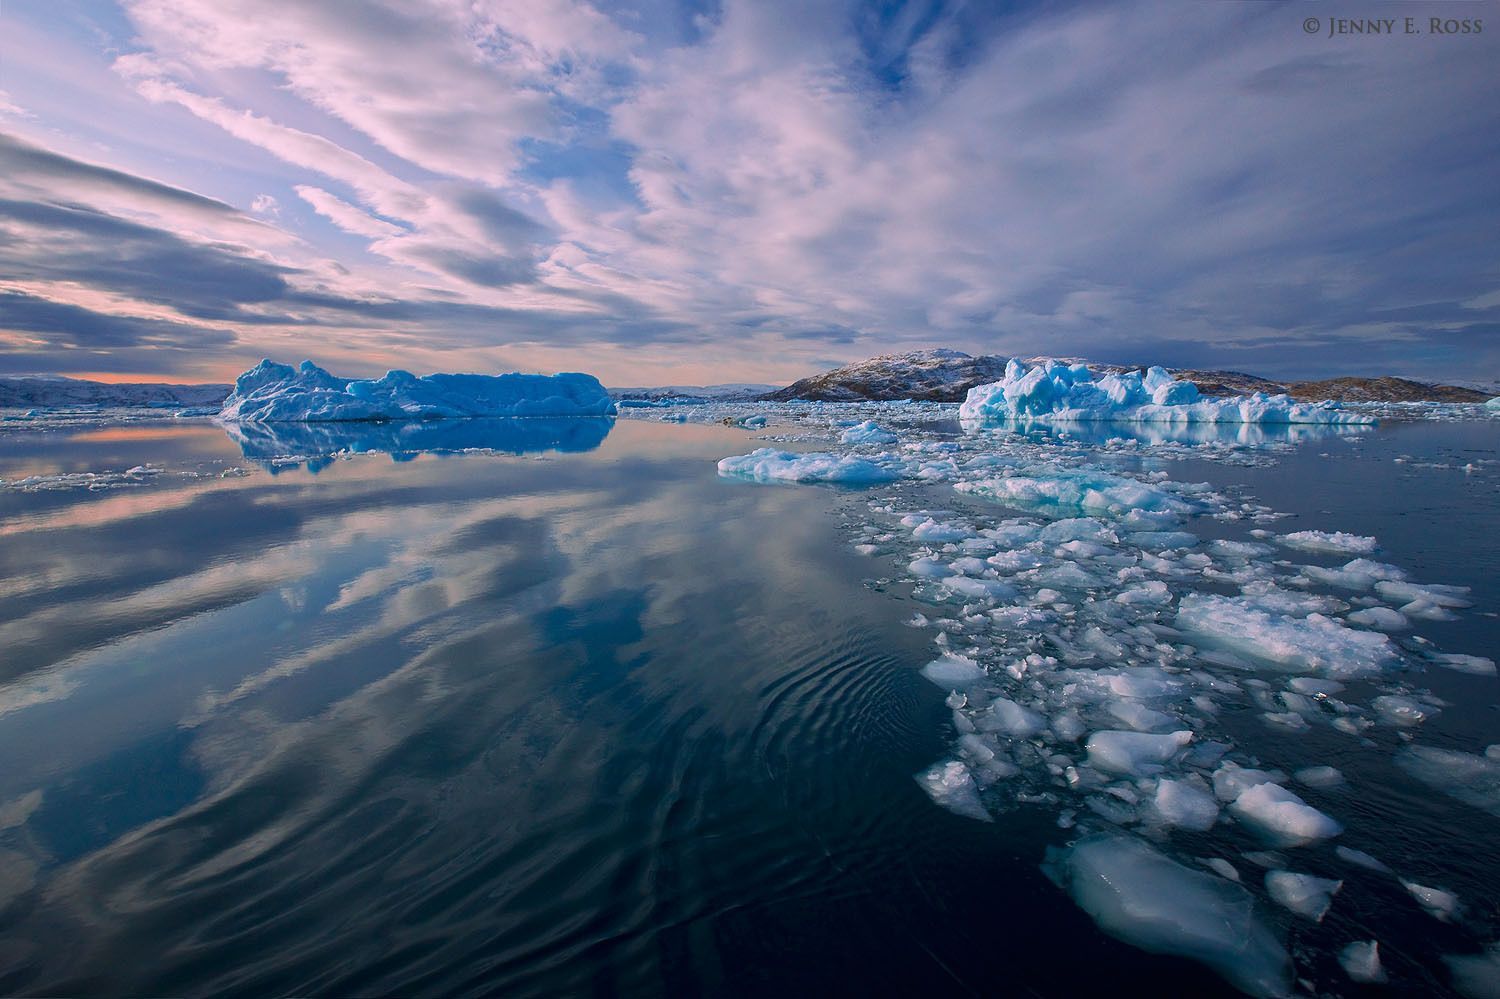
{"x": 1380, "y": 618}
{"x": 1361, "y": 961}
{"x": 1441, "y": 905}
{"x": 953, "y": 671}
{"x": 1472, "y": 779}
{"x": 1137, "y": 895}
{"x": 1323, "y": 541}
{"x": 1137, "y": 753}
{"x": 1478, "y": 975}
{"x": 1282, "y": 816}
{"x": 1302, "y": 893}
{"x": 1405, "y": 712}
{"x": 1319, "y": 776}
{"x": 952, "y": 786}
{"x": 1186, "y": 805}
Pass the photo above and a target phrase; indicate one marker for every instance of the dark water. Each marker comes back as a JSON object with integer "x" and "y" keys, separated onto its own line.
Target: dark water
{"x": 590, "y": 721}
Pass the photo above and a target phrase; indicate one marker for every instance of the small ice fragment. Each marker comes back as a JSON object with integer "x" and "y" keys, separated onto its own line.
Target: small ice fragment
{"x": 1137, "y": 895}
{"x": 1323, "y": 541}
{"x": 1302, "y": 893}
{"x": 1476, "y": 975}
{"x": 1319, "y": 776}
{"x": 1139, "y": 717}
{"x": 1137, "y": 753}
{"x": 1402, "y": 711}
{"x": 952, "y": 671}
{"x": 1151, "y": 592}
{"x": 974, "y": 746}
{"x": 1312, "y": 686}
{"x": 1472, "y": 779}
{"x": 1476, "y": 665}
{"x": 928, "y": 568}
{"x": 1012, "y": 719}
{"x": 1361, "y": 961}
{"x": 952, "y": 786}
{"x": 1282, "y": 816}
{"x": 1221, "y": 867}
{"x": 1185, "y": 805}
{"x": 868, "y": 432}
{"x": 1433, "y": 593}
{"x": 1361, "y": 858}
{"x": 1380, "y": 618}
{"x": 1231, "y": 780}
{"x": 1286, "y": 719}
{"x": 1441, "y": 905}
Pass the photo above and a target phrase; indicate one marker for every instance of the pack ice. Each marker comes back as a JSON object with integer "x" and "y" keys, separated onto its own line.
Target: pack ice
{"x": 1058, "y": 392}
{"x": 279, "y": 393}
{"x": 1105, "y": 653}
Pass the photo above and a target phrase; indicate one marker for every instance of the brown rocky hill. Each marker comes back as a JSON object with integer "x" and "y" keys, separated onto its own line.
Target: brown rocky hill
{"x": 947, "y": 375}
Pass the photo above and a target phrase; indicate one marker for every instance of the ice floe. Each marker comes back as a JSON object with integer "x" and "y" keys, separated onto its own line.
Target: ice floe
{"x": 1314, "y": 643}
{"x": 1336, "y": 542}
{"x": 770, "y": 465}
{"x": 1104, "y": 633}
{"x": 1135, "y": 893}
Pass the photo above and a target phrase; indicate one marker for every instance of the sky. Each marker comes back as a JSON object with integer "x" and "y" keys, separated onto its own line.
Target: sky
{"x": 671, "y": 192}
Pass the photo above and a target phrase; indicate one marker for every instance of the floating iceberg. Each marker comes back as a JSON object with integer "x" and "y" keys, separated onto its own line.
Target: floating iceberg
{"x": 279, "y": 393}
{"x": 770, "y": 465}
{"x": 1058, "y": 392}
{"x": 1141, "y": 897}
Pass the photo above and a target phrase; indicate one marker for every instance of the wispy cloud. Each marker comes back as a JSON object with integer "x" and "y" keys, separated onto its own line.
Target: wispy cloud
{"x": 769, "y": 186}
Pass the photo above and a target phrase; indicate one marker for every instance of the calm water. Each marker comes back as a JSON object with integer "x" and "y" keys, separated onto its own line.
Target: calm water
{"x": 589, "y": 720}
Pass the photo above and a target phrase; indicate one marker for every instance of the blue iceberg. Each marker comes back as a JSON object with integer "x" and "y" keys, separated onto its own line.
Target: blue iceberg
{"x": 1058, "y": 392}
{"x": 279, "y": 393}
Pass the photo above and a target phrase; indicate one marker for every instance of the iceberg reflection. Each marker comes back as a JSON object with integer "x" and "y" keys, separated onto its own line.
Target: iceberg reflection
{"x": 1242, "y": 434}
{"x": 278, "y": 445}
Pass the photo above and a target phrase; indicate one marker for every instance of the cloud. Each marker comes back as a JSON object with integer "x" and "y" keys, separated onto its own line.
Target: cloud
{"x": 344, "y": 215}
{"x": 62, "y": 337}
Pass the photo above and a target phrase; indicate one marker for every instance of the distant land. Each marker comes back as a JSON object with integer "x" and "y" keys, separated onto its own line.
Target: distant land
{"x": 31, "y": 392}
{"x": 927, "y": 375}
{"x": 947, "y": 375}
